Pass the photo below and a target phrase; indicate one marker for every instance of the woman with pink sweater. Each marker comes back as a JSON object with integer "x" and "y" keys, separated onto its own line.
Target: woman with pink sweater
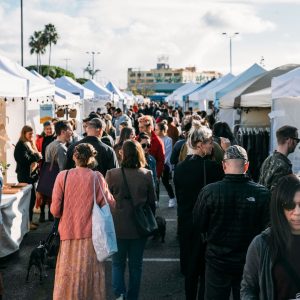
{"x": 78, "y": 275}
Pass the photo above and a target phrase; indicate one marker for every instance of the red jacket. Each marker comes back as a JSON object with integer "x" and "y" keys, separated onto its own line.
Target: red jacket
{"x": 157, "y": 150}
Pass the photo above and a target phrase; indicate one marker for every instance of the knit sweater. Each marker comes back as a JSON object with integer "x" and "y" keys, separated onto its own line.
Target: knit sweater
{"x": 76, "y": 220}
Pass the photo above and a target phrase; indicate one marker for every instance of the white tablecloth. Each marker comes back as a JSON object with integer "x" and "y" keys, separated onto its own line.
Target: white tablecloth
{"x": 14, "y": 220}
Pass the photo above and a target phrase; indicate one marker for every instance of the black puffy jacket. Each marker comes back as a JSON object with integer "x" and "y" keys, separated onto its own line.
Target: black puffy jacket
{"x": 232, "y": 212}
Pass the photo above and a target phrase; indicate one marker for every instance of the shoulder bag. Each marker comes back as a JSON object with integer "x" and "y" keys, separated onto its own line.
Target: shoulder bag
{"x": 103, "y": 229}
{"x": 53, "y": 239}
{"x": 143, "y": 215}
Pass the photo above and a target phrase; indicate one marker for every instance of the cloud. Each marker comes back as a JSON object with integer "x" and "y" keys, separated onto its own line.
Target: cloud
{"x": 131, "y": 33}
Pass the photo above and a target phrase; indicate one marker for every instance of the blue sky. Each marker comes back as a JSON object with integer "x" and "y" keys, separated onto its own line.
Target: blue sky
{"x": 134, "y": 33}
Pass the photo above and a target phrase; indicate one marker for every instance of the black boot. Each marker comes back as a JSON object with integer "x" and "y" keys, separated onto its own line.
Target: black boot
{"x": 42, "y": 215}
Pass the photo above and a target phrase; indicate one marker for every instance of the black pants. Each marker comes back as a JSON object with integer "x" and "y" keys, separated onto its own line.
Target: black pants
{"x": 192, "y": 263}
{"x": 166, "y": 181}
{"x": 32, "y": 202}
{"x": 219, "y": 284}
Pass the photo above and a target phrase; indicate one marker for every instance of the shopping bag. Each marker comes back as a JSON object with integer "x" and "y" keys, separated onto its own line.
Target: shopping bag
{"x": 103, "y": 229}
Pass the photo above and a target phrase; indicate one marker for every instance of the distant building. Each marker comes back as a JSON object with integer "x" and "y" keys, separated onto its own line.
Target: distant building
{"x": 164, "y": 79}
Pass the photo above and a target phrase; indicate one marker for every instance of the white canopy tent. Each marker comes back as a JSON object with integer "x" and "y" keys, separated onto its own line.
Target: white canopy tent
{"x": 286, "y": 108}
{"x": 176, "y": 98}
{"x": 102, "y": 95}
{"x": 100, "y": 91}
{"x": 22, "y": 108}
{"x": 201, "y": 95}
{"x": 61, "y": 97}
{"x": 118, "y": 97}
{"x": 70, "y": 85}
{"x": 261, "y": 98}
{"x": 12, "y": 86}
{"x": 37, "y": 87}
{"x": 227, "y": 101}
{"x": 50, "y": 79}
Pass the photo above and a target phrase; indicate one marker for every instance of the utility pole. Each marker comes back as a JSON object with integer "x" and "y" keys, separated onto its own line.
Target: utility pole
{"x": 22, "y": 49}
{"x": 67, "y": 61}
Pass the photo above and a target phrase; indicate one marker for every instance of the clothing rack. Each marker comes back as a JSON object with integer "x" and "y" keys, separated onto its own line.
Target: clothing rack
{"x": 256, "y": 141}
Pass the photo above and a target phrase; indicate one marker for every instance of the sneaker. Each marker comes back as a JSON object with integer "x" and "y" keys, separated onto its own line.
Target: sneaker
{"x": 156, "y": 204}
{"x": 121, "y": 297}
{"x": 172, "y": 203}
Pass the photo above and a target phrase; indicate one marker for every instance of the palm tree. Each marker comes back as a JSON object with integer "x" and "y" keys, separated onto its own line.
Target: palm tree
{"x": 51, "y": 37}
{"x": 37, "y": 45}
{"x": 90, "y": 71}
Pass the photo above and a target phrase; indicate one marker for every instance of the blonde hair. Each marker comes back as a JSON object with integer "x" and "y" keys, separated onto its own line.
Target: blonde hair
{"x": 198, "y": 133}
{"x": 23, "y": 139}
{"x": 146, "y": 120}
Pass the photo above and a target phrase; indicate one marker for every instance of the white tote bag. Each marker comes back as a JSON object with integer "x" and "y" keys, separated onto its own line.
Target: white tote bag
{"x": 103, "y": 229}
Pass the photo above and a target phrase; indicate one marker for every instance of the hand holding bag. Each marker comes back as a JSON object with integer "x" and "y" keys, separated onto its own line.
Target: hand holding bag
{"x": 103, "y": 229}
{"x": 143, "y": 215}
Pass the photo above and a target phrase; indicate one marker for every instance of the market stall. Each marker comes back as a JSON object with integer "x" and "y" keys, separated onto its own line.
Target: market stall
{"x": 14, "y": 219}
{"x": 286, "y": 108}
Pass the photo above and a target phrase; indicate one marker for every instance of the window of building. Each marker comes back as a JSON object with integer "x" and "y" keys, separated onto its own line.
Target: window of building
{"x": 149, "y": 75}
{"x": 132, "y": 81}
{"x": 132, "y": 75}
{"x": 168, "y": 74}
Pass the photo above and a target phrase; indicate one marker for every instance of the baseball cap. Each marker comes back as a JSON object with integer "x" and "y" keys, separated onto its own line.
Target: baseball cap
{"x": 236, "y": 152}
{"x": 96, "y": 123}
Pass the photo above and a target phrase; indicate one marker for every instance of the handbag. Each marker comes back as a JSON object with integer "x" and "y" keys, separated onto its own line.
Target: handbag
{"x": 143, "y": 215}
{"x": 103, "y": 228}
{"x": 53, "y": 239}
{"x": 48, "y": 174}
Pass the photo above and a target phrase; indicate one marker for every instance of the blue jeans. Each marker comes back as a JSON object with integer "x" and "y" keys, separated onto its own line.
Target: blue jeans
{"x": 133, "y": 249}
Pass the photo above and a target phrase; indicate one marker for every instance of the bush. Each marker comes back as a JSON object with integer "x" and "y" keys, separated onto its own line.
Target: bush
{"x": 54, "y": 72}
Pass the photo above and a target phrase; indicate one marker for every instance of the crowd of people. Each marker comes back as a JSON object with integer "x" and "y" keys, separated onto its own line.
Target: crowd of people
{"x": 237, "y": 238}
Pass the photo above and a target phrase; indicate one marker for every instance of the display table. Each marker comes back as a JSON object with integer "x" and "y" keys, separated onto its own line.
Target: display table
{"x": 14, "y": 220}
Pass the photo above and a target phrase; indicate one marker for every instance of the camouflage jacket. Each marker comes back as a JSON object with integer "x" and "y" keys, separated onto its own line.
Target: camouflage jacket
{"x": 273, "y": 168}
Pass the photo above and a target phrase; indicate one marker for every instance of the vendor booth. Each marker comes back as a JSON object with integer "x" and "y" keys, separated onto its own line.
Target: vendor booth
{"x": 14, "y": 220}
{"x": 102, "y": 96}
{"x": 18, "y": 109}
{"x": 229, "y": 114}
{"x": 118, "y": 98}
{"x": 200, "y": 95}
{"x": 75, "y": 88}
{"x": 286, "y": 109}
{"x": 177, "y": 97}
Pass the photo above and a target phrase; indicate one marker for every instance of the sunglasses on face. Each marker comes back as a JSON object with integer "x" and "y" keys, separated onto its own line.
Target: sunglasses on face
{"x": 295, "y": 139}
{"x": 289, "y": 206}
{"x": 146, "y": 145}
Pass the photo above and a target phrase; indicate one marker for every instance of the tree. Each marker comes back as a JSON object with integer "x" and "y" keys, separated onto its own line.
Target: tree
{"x": 51, "y": 37}
{"x": 90, "y": 71}
{"x": 55, "y": 72}
{"x": 37, "y": 46}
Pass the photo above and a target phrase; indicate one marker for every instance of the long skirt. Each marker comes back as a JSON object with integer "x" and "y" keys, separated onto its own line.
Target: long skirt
{"x": 79, "y": 275}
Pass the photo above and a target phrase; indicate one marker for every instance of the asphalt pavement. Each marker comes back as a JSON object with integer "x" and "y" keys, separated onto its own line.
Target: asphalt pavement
{"x": 161, "y": 277}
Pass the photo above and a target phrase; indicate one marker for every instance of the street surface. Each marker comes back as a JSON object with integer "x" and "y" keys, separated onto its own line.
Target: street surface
{"x": 161, "y": 277}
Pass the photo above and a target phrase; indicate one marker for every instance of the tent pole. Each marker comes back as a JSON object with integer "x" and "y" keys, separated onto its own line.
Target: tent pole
{"x": 25, "y": 103}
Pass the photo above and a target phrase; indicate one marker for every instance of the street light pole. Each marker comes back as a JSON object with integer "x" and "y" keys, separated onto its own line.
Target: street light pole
{"x": 93, "y": 61}
{"x": 230, "y": 36}
{"x": 22, "y": 58}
